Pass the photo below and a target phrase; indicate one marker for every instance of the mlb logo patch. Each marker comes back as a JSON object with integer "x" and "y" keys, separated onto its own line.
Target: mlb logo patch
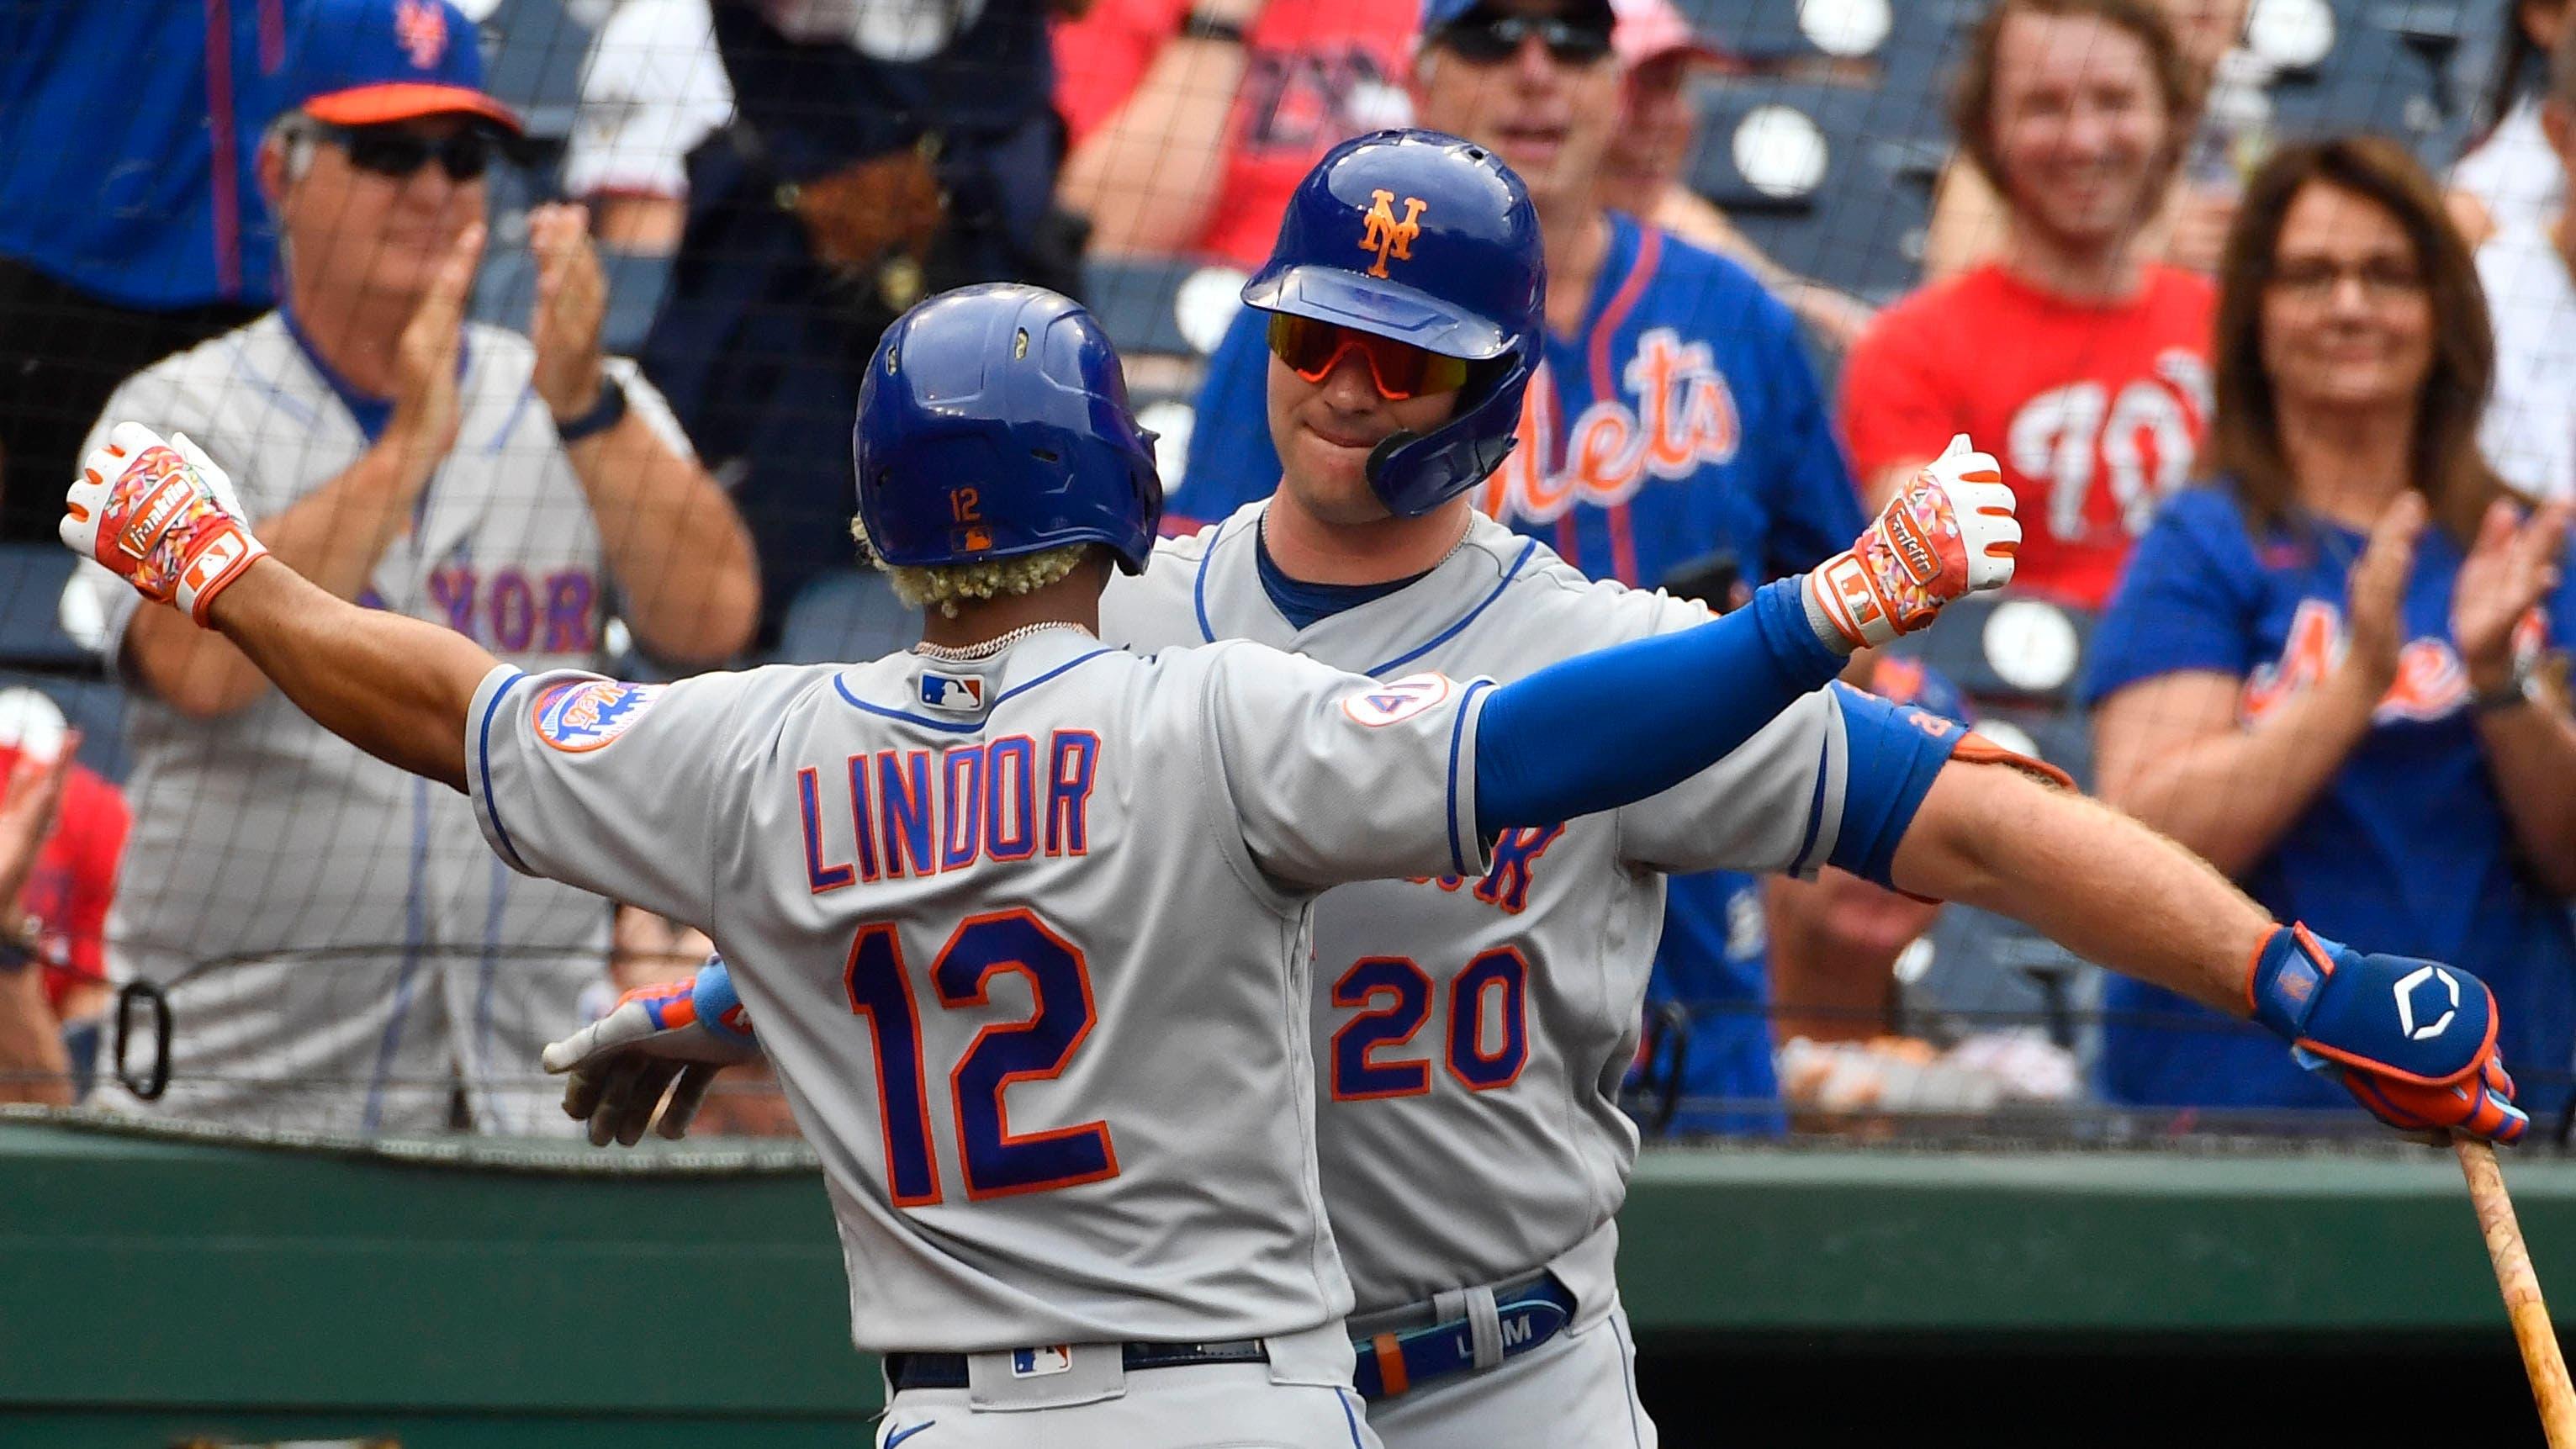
{"x": 1038, "y": 1363}
{"x": 583, "y": 716}
{"x": 1398, "y": 700}
{"x": 952, "y": 693}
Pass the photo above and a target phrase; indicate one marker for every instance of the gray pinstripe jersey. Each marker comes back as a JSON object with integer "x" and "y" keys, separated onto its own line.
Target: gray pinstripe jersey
{"x": 1026, "y": 939}
{"x": 374, "y": 956}
{"x": 1471, "y": 1032}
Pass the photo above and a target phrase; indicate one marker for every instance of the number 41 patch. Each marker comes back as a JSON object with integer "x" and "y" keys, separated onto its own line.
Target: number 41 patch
{"x": 1398, "y": 700}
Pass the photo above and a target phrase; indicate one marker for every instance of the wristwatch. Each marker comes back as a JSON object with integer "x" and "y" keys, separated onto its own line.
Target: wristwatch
{"x": 2519, "y": 689}
{"x": 605, "y": 413}
{"x": 21, "y": 943}
{"x": 1201, "y": 26}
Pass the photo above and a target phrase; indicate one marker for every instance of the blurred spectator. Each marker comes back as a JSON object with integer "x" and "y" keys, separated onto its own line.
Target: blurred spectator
{"x": 2339, "y": 706}
{"x": 652, "y": 88}
{"x": 129, "y": 224}
{"x": 64, "y": 902}
{"x": 879, "y": 153}
{"x": 2226, "y": 130}
{"x": 2080, "y": 363}
{"x": 60, "y": 829}
{"x": 2529, "y": 273}
{"x": 1192, "y": 121}
{"x": 1642, "y": 172}
{"x": 2510, "y": 178}
{"x": 338, "y": 947}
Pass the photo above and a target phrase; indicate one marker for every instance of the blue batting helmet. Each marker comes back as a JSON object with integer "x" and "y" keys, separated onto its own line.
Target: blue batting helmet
{"x": 994, "y": 422}
{"x": 1428, "y": 239}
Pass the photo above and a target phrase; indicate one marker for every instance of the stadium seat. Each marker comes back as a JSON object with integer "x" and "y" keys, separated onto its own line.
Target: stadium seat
{"x": 535, "y": 63}
{"x": 1825, "y": 179}
{"x": 95, "y": 707}
{"x": 1162, "y": 306}
{"x": 846, "y": 617}
{"x": 2007, "y": 648}
{"x": 32, "y": 576}
{"x": 2386, "y": 72}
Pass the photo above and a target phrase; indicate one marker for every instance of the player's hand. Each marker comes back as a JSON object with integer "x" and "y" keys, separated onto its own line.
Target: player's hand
{"x": 1949, "y": 531}
{"x": 428, "y": 408}
{"x": 671, "y": 1038}
{"x": 161, "y": 516}
{"x": 2413, "y": 1041}
{"x": 572, "y": 299}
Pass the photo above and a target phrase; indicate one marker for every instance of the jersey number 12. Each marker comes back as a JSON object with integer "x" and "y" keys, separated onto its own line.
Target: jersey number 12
{"x": 998, "y": 1162}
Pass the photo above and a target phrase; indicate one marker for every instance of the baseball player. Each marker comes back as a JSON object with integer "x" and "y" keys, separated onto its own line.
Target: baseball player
{"x": 1470, "y": 1029}
{"x": 1067, "y": 882}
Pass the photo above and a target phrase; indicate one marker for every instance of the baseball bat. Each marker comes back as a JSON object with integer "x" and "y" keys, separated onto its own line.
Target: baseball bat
{"x": 2532, "y": 1332}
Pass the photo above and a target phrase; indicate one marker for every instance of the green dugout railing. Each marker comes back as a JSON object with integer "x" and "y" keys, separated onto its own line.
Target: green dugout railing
{"x": 159, "y": 1289}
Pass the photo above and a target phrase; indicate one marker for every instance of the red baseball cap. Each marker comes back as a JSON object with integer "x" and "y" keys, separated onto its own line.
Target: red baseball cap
{"x": 1651, "y": 29}
{"x": 367, "y": 62}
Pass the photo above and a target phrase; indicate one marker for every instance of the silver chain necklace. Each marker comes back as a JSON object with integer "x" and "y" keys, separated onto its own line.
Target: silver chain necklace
{"x": 960, "y": 654}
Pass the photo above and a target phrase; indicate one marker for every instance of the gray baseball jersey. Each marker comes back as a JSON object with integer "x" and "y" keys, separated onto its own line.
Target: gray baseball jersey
{"x": 363, "y": 956}
{"x": 1026, "y": 938}
{"x": 1472, "y": 1029}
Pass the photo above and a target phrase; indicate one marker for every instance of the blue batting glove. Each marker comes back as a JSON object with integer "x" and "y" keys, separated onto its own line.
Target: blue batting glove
{"x": 2414, "y": 1041}
{"x": 672, "y": 1037}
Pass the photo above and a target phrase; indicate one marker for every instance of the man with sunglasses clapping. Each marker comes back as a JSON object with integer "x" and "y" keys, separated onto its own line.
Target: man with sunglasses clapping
{"x": 380, "y": 973}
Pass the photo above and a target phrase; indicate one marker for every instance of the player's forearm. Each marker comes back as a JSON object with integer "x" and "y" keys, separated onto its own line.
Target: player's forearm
{"x": 2230, "y": 796}
{"x": 677, "y": 550}
{"x": 1149, "y": 175}
{"x": 393, "y": 686}
{"x": 2531, "y": 753}
{"x": 2091, "y": 879}
{"x": 1650, "y": 714}
{"x": 333, "y": 537}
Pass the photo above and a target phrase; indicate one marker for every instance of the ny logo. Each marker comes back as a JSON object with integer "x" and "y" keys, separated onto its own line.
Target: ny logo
{"x": 421, "y": 28}
{"x": 1387, "y": 236}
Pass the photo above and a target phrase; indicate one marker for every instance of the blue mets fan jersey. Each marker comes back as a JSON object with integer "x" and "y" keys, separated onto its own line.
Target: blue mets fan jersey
{"x": 2408, "y": 850}
{"x": 1026, "y": 936}
{"x": 1471, "y": 1028}
{"x": 1677, "y": 440}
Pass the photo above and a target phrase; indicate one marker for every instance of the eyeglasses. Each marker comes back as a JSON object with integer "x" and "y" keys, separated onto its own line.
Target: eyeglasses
{"x": 1482, "y": 38}
{"x": 1400, "y": 370}
{"x": 399, "y": 152}
{"x": 2315, "y": 280}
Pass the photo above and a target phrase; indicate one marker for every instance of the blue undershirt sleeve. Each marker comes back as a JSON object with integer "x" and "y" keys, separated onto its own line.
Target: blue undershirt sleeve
{"x": 1893, "y": 751}
{"x": 1651, "y": 713}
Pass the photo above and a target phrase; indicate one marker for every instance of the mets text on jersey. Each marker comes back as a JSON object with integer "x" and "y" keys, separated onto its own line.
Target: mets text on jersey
{"x": 1685, "y": 419}
{"x": 927, "y": 812}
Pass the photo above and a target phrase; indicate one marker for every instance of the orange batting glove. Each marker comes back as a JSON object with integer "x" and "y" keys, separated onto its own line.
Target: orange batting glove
{"x": 162, "y": 516}
{"x": 1949, "y": 531}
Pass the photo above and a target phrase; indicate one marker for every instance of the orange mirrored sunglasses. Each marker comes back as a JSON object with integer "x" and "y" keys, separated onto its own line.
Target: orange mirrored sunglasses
{"x": 1400, "y": 370}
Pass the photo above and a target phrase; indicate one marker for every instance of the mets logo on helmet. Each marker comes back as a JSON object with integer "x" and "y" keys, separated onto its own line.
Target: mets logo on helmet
{"x": 584, "y": 715}
{"x": 421, "y": 28}
{"x": 1388, "y": 236}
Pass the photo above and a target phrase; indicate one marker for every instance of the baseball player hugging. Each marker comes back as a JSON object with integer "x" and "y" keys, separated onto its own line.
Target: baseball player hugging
{"x": 1023, "y": 919}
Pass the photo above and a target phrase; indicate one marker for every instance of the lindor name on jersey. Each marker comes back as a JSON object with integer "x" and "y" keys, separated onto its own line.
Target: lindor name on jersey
{"x": 925, "y": 812}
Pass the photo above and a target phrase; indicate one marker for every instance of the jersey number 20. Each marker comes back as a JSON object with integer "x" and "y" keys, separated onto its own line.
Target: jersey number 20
{"x": 1396, "y": 996}
{"x": 998, "y": 1162}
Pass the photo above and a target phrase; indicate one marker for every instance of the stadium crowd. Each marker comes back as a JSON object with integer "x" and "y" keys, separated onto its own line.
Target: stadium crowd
{"x": 2293, "y": 431}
